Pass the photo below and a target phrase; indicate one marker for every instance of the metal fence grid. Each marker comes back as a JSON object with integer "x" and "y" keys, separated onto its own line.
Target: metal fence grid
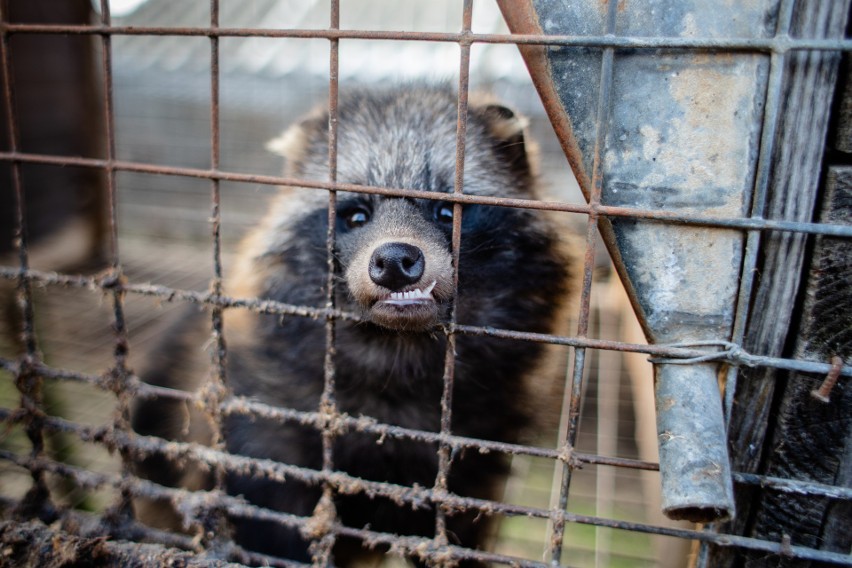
{"x": 209, "y": 508}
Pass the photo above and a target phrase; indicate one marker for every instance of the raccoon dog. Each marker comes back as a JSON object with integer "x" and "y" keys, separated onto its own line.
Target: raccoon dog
{"x": 395, "y": 271}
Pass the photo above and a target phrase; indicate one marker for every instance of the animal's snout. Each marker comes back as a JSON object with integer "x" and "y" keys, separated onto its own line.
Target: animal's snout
{"x": 396, "y": 265}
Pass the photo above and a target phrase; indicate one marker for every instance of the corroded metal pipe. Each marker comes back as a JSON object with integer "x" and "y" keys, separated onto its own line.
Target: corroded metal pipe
{"x": 696, "y": 477}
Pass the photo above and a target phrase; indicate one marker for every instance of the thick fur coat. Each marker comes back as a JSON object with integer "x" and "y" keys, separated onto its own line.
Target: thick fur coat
{"x": 394, "y": 269}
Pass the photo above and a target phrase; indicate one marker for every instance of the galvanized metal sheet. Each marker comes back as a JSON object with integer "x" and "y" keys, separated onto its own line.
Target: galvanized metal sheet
{"x": 682, "y": 134}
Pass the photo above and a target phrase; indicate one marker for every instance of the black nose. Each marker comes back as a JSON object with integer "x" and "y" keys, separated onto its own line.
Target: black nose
{"x": 396, "y": 265}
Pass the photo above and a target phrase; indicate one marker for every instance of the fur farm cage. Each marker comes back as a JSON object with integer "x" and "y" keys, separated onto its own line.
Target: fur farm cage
{"x": 710, "y": 147}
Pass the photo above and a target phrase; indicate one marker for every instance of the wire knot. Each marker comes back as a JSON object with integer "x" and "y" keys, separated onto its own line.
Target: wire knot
{"x": 730, "y": 353}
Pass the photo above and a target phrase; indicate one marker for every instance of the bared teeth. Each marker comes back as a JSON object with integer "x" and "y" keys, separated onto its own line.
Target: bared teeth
{"x": 414, "y": 295}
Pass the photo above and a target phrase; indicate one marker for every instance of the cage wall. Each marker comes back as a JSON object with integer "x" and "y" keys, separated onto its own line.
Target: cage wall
{"x": 158, "y": 134}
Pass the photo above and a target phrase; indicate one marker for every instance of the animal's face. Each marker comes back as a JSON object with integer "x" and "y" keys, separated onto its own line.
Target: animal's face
{"x": 396, "y": 255}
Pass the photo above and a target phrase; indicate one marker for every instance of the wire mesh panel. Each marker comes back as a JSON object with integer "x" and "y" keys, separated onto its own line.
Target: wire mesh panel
{"x": 74, "y": 478}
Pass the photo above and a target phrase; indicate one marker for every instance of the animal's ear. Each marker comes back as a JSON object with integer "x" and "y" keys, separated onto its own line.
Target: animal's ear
{"x": 507, "y": 129}
{"x": 290, "y": 144}
{"x": 293, "y": 144}
{"x": 503, "y": 123}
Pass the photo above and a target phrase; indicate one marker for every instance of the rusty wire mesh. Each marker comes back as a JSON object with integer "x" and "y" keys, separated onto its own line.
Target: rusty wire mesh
{"x": 208, "y": 508}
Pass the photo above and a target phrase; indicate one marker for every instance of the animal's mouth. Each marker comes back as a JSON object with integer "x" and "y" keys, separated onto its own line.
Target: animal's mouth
{"x": 402, "y": 284}
{"x": 406, "y": 310}
{"x": 410, "y": 297}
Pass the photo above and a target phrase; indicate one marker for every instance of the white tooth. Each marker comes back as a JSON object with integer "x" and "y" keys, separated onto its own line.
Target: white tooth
{"x": 414, "y": 295}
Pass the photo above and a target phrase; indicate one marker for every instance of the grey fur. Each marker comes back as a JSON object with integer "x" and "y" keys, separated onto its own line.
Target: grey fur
{"x": 513, "y": 274}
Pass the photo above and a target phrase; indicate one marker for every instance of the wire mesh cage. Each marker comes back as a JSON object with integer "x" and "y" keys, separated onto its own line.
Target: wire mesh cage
{"x": 131, "y": 152}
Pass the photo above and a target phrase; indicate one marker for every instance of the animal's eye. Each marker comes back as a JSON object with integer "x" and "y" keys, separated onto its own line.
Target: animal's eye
{"x": 444, "y": 212}
{"x": 356, "y": 217}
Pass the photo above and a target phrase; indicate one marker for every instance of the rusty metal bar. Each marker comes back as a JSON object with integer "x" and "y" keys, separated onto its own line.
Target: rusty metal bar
{"x": 733, "y": 354}
{"x": 794, "y": 486}
{"x": 772, "y": 110}
{"x": 411, "y": 546}
{"x": 13, "y": 135}
{"x": 217, "y": 388}
{"x": 325, "y": 512}
{"x": 134, "y": 530}
{"x": 771, "y": 118}
{"x": 775, "y": 44}
{"x": 124, "y": 384}
{"x": 328, "y": 403}
{"x": 244, "y": 406}
{"x": 109, "y": 168}
{"x": 212, "y": 521}
{"x": 750, "y": 224}
{"x": 444, "y": 450}
{"x": 410, "y": 495}
{"x": 601, "y": 127}
{"x": 28, "y": 382}
{"x": 118, "y": 374}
